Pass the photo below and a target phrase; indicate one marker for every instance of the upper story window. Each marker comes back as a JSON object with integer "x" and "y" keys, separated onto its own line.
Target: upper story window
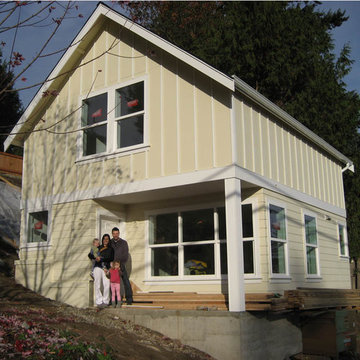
{"x": 129, "y": 115}
{"x": 278, "y": 240}
{"x": 94, "y": 124}
{"x": 114, "y": 120}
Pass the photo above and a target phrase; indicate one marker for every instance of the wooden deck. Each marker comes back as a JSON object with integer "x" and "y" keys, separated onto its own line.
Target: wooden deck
{"x": 292, "y": 300}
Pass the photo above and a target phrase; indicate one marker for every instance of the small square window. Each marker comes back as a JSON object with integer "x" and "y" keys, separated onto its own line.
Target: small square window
{"x": 37, "y": 227}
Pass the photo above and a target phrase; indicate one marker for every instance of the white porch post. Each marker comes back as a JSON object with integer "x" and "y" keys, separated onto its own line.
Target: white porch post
{"x": 235, "y": 259}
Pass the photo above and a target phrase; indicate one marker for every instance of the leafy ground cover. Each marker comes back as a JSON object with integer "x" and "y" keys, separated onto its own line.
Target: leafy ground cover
{"x": 34, "y": 327}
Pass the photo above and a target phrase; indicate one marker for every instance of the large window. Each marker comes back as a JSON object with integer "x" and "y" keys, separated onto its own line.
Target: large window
{"x": 311, "y": 245}
{"x": 37, "y": 227}
{"x": 342, "y": 240}
{"x": 113, "y": 120}
{"x": 278, "y": 240}
{"x": 185, "y": 243}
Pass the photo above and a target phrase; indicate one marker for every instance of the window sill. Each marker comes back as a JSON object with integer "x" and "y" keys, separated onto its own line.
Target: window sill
{"x": 280, "y": 279}
{"x": 117, "y": 153}
{"x": 344, "y": 257}
{"x": 35, "y": 246}
{"x": 179, "y": 281}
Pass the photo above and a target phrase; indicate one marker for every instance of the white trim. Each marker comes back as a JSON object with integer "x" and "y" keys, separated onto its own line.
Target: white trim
{"x": 235, "y": 260}
{"x": 194, "y": 177}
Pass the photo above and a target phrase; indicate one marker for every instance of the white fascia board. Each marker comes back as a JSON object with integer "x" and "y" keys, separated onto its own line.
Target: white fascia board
{"x": 261, "y": 100}
{"x": 196, "y": 177}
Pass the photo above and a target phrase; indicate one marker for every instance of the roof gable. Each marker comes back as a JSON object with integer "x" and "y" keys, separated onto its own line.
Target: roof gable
{"x": 69, "y": 60}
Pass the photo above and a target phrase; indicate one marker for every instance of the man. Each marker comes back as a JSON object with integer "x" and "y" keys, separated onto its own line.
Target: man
{"x": 121, "y": 253}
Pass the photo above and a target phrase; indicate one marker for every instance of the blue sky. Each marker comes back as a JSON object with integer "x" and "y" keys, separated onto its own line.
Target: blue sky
{"x": 29, "y": 39}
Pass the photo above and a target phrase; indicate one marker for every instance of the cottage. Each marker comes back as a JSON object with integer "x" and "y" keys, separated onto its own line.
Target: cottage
{"x": 215, "y": 188}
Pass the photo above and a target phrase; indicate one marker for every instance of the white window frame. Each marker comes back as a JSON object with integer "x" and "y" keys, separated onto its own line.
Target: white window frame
{"x": 111, "y": 123}
{"x": 256, "y": 247}
{"x": 40, "y": 244}
{"x": 317, "y": 254}
{"x": 216, "y": 277}
{"x": 346, "y": 248}
{"x": 275, "y": 276}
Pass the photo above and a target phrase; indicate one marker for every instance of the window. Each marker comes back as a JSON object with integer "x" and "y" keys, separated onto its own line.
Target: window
{"x": 37, "y": 227}
{"x": 184, "y": 243}
{"x": 311, "y": 245}
{"x": 248, "y": 242}
{"x": 278, "y": 239}
{"x": 94, "y": 124}
{"x": 342, "y": 240}
{"x": 129, "y": 115}
{"x": 113, "y": 120}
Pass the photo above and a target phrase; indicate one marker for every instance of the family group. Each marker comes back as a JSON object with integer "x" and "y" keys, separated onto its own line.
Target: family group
{"x": 109, "y": 259}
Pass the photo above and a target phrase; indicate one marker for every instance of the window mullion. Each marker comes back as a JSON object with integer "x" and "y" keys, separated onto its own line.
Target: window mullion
{"x": 181, "y": 247}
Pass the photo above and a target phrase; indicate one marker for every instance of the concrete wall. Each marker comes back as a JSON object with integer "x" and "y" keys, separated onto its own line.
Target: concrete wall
{"x": 225, "y": 336}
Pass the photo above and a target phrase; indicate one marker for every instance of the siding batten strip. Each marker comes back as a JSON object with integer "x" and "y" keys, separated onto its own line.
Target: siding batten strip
{"x": 178, "y": 120}
{"x": 162, "y": 116}
{"x": 195, "y": 123}
{"x": 233, "y": 125}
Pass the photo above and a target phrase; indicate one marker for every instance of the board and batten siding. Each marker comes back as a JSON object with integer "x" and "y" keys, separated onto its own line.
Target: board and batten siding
{"x": 269, "y": 148}
{"x": 188, "y": 119}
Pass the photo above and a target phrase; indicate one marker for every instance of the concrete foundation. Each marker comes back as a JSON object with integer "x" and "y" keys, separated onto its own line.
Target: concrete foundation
{"x": 224, "y": 335}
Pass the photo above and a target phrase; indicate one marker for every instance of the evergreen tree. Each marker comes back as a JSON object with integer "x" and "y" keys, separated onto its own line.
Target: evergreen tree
{"x": 10, "y": 106}
{"x": 285, "y": 51}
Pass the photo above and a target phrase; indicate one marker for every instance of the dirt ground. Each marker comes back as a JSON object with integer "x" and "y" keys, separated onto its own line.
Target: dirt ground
{"x": 122, "y": 339}
{"x": 104, "y": 328}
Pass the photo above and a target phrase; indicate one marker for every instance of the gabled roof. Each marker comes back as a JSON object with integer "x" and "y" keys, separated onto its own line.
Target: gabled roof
{"x": 33, "y": 112}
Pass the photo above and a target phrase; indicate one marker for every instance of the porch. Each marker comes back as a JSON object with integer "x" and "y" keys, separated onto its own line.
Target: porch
{"x": 299, "y": 299}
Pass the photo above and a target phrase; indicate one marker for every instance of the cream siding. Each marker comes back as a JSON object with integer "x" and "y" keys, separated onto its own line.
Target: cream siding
{"x": 265, "y": 147}
{"x": 188, "y": 119}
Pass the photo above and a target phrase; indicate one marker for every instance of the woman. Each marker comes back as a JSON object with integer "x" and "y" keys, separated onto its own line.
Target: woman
{"x": 102, "y": 265}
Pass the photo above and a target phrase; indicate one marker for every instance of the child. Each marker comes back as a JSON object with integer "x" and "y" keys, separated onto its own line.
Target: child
{"x": 95, "y": 252}
{"x": 115, "y": 279}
